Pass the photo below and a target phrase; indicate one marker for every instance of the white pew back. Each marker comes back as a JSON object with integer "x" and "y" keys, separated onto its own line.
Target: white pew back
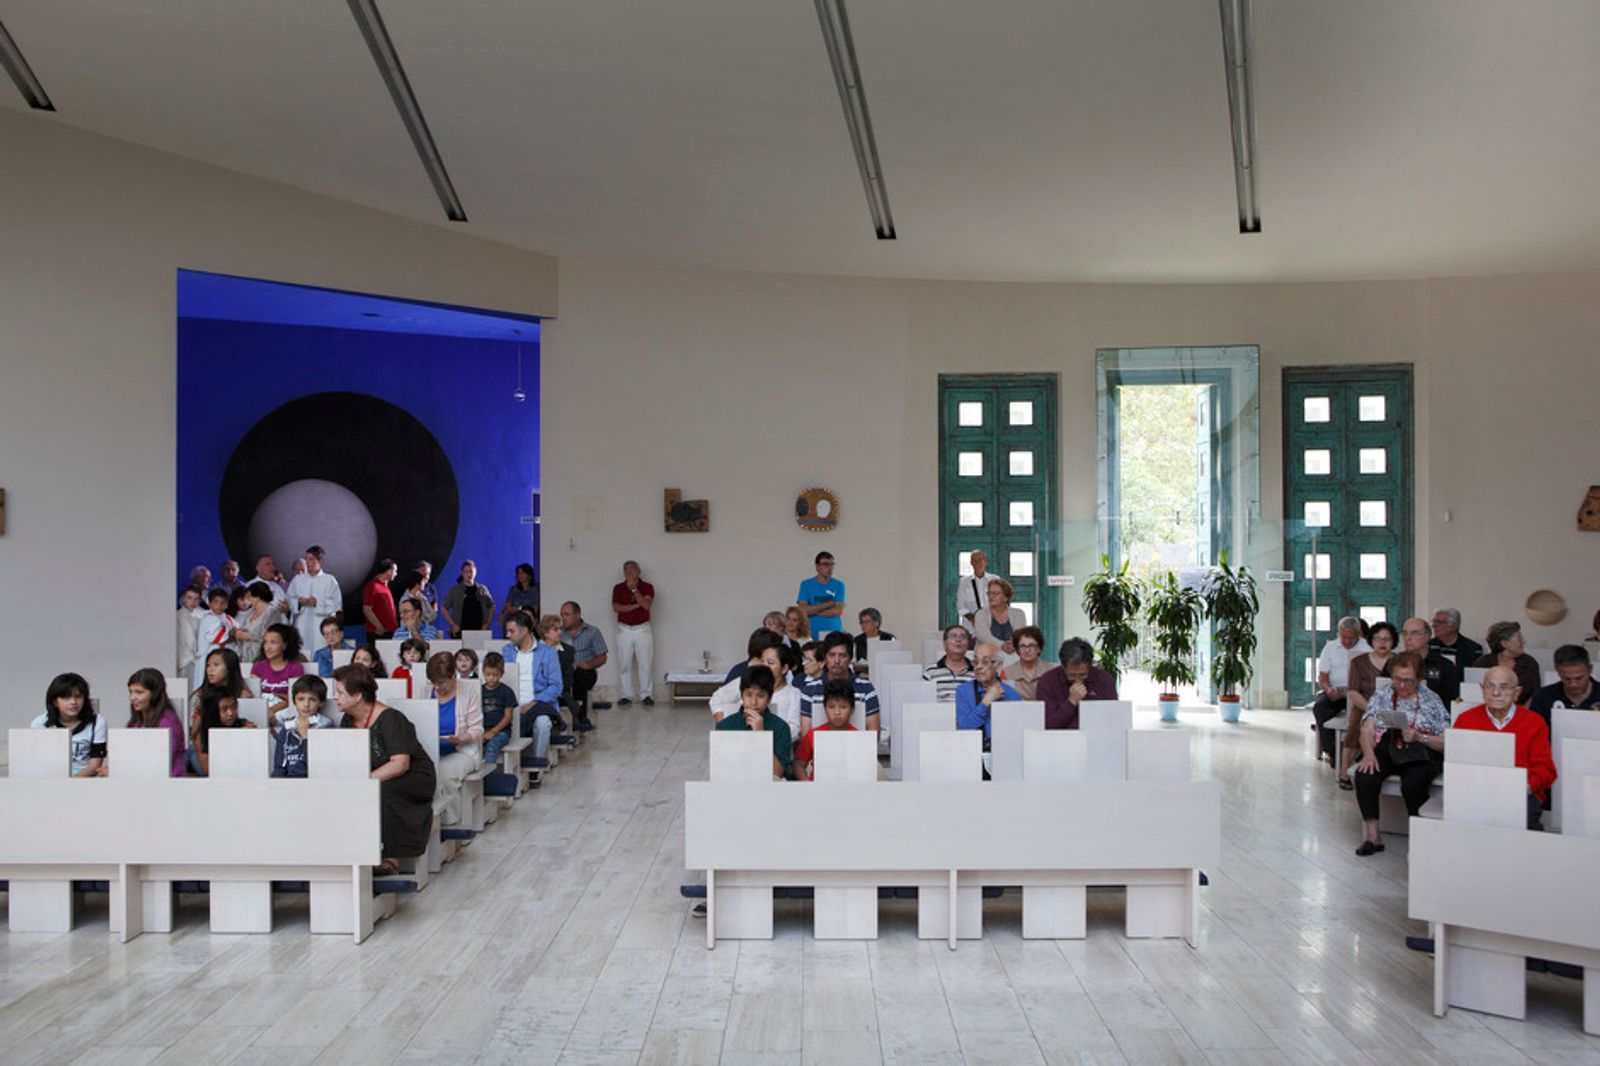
{"x": 389, "y": 652}
{"x": 915, "y": 719}
{"x": 1471, "y": 694}
{"x": 1479, "y": 747}
{"x": 338, "y": 753}
{"x": 40, "y": 753}
{"x": 842, "y": 756}
{"x": 951, "y": 756}
{"x": 1567, "y": 724}
{"x": 1485, "y": 795}
{"x": 341, "y": 657}
{"x": 138, "y": 753}
{"x": 1106, "y": 724}
{"x": 1055, "y": 755}
{"x": 240, "y": 753}
{"x": 254, "y": 710}
{"x": 739, "y": 757}
{"x": 479, "y": 640}
{"x": 1473, "y": 674}
{"x": 1158, "y": 755}
{"x": 1009, "y": 724}
{"x": 391, "y": 690}
{"x": 1580, "y": 759}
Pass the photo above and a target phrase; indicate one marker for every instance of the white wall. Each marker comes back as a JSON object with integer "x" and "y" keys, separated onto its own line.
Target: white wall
{"x": 710, "y": 381}
{"x": 92, "y": 235}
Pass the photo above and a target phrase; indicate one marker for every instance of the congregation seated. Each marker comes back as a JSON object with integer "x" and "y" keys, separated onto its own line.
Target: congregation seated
{"x": 150, "y": 708}
{"x": 460, "y": 731}
{"x": 499, "y": 707}
{"x": 1507, "y": 648}
{"x": 1438, "y": 673}
{"x": 836, "y": 666}
{"x": 291, "y": 735}
{"x": 975, "y": 697}
{"x": 786, "y": 697}
{"x": 67, "y": 706}
{"x": 1077, "y": 679}
{"x": 838, "y": 703}
{"x": 413, "y": 665}
{"x": 871, "y": 622}
{"x": 412, "y": 624}
{"x": 998, "y": 622}
{"x": 1500, "y": 712}
{"x": 1024, "y": 674}
{"x": 217, "y": 711}
{"x": 760, "y": 640}
{"x": 1365, "y": 670}
{"x": 1448, "y": 641}
{"x": 953, "y": 668}
{"x": 755, "y": 691}
{"x": 332, "y": 641}
{"x": 278, "y": 666}
{"x": 1402, "y": 733}
{"x": 1577, "y": 688}
{"x": 1333, "y": 679}
{"x": 404, "y": 771}
{"x": 539, "y": 677}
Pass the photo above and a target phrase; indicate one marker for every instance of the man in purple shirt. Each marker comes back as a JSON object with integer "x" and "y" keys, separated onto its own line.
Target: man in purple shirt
{"x": 1075, "y": 680}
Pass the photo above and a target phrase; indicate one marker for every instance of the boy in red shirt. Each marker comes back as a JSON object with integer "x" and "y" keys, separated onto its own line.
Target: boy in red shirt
{"x": 1499, "y": 713}
{"x": 838, "y": 703}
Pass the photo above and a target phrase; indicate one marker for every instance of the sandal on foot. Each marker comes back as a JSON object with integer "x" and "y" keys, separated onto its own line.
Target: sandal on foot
{"x": 387, "y": 868}
{"x": 1368, "y": 848}
{"x": 1346, "y": 784}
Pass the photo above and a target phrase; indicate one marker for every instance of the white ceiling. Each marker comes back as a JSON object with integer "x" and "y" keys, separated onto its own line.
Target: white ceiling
{"x": 1021, "y": 139}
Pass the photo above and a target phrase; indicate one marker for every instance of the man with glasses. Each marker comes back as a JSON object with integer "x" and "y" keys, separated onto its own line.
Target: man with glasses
{"x": 1333, "y": 679}
{"x": 1075, "y": 680}
{"x": 1437, "y": 672}
{"x": 1448, "y": 641}
{"x": 1402, "y": 733}
{"x": 1499, "y": 713}
{"x": 974, "y": 698}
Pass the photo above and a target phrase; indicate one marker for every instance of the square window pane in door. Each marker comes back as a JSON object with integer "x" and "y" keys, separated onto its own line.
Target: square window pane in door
{"x": 1324, "y": 619}
{"x": 1021, "y": 464}
{"x": 1374, "y": 513}
{"x": 1318, "y": 461}
{"x": 1021, "y": 512}
{"x": 1317, "y": 409}
{"x": 1019, "y": 564}
{"x": 1324, "y": 566}
{"x": 1020, "y": 412}
{"x": 964, "y": 563}
{"x": 1373, "y": 615}
{"x": 1374, "y": 566}
{"x": 1026, "y": 608}
{"x": 1371, "y": 408}
{"x": 1374, "y": 460}
{"x": 969, "y": 464}
{"x": 1311, "y": 670}
{"x": 969, "y": 413}
{"x": 970, "y": 513}
{"x": 1319, "y": 513}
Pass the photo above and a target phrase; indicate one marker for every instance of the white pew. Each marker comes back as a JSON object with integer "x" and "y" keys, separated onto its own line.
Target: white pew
{"x": 1545, "y": 657}
{"x": 393, "y": 689}
{"x": 845, "y": 912}
{"x": 1471, "y": 694}
{"x": 240, "y": 906}
{"x": 1567, "y": 724}
{"x": 479, "y": 640}
{"x": 41, "y": 899}
{"x": 178, "y": 691}
{"x": 253, "y": 683}
{"x": 389, "y": 652}
{"x": 424, "y": 718}
{"x": 1473, "y": 674}
{"x": 1106, "y": 724}
{"x": 341, "y": 657}
{"x": 255, "y": 710}
{"x": 1579, "y": 759}
{"x": 915, "y": 718}
{"x": 140, "y": 754}
{"x": 1009, "y": 724}
{"x": 946, "y": 909}
{"x": 1057, "y": 833}
{"x": 904, "y": 685}
{"x": 1055, "y": 912}
{"x": 932, "y": 648}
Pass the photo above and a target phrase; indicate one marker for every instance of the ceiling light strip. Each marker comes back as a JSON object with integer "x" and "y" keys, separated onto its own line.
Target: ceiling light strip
{"x": 405, "y": 101}
{"x": 847, "y": 76}
{"x": 1238, "y": 30}
{"x": 27, "y": 82}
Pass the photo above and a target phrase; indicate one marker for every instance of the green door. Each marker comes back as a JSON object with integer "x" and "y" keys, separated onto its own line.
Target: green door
{"x": 997, "y": 484}
{"x": 1347, "y": 505}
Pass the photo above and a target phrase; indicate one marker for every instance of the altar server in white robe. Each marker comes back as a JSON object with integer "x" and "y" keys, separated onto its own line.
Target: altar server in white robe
{"x": 313, "y": 596}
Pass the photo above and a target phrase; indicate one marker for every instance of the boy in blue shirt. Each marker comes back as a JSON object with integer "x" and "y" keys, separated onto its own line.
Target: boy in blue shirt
{"x": 822, "y": 598}
{"x": 498, "y": 704}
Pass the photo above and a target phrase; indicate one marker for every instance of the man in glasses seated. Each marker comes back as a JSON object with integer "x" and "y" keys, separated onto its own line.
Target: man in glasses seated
{"x": 1500, "y": 713}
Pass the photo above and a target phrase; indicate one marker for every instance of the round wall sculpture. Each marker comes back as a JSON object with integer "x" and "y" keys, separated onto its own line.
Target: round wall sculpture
{"x": 816, "y": 509}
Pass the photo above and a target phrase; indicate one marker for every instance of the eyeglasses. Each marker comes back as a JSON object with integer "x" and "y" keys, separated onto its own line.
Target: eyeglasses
{"x": 1398, "y": 681}
{"x": 1497, "y": 686}
{"x": 1027, "y": 644}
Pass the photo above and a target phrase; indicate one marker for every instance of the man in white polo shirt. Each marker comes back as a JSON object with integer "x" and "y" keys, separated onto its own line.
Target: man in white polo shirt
{"x": 972, "y": 590}
{"x": 1333, "y": 678}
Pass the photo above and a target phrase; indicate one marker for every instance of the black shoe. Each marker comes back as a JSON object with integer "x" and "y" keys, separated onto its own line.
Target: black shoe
{"x": 585, "y": 727}
{"x": 600, "y": 706}
{"x": 648, "y": 701}
{"x": 623, "y": 702}
{"x": 1368, "y": 848}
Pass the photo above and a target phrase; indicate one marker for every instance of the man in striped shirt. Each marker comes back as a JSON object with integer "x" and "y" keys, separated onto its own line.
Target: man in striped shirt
{"x": 953, "y": 667}
{"x": 836, "y": 666}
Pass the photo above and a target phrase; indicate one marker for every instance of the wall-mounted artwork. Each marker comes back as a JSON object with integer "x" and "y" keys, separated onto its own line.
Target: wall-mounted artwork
{"x": 1589, "y": 511}
{"x": 686, "y": 516}
{"x": 816, "y": 509}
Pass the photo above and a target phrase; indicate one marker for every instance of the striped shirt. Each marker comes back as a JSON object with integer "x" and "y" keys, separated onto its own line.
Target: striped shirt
{"x": 811, "y": 696}
{"x": 946, "y": 681}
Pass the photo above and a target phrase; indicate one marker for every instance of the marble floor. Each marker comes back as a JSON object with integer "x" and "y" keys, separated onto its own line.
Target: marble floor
{"x": 560, "y": 937}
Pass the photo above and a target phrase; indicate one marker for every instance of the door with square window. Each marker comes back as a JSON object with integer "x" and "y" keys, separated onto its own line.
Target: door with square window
{"x": 1347, "y": 506}
{"x": 997, "y": 473}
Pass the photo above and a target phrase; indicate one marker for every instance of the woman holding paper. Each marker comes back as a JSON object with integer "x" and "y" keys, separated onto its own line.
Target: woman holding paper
{"x": 1402, "y": 733}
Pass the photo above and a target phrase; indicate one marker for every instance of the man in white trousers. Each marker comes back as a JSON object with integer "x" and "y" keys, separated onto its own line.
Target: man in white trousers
{"x": 631, "y": 599}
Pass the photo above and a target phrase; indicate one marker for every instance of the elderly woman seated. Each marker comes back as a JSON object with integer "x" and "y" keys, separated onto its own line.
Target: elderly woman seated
{"x": 1506, "y": 649}
{"x": 1402, "y": 733}
{"x": 999, "y": 622}
{"x": 403, "y": 769}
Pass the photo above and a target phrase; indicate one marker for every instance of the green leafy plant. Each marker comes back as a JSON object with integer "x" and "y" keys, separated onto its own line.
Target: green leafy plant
{"x": 1112, "y": 600}
{"x": 1173, "y": 611}
{"x": 1232, "y": 605}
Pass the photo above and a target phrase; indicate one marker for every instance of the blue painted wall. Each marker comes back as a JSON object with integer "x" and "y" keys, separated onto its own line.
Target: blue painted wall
{"x": 231, "y": 374}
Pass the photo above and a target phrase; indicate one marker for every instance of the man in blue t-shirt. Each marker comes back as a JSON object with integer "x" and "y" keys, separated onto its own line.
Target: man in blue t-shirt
{"x": 822, "y": 598}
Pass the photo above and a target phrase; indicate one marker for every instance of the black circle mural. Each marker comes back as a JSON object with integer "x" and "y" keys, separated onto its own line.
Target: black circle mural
{"x": 361, "y": 477}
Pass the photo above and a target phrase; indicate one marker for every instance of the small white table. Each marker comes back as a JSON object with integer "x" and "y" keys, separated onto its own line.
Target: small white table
{"x": 677, "y": 680}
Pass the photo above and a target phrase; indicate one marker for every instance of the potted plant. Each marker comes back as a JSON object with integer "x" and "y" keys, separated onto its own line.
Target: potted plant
{"x": 1112, "y": 601}
{"x": 1173, "y": 611}
{"x": 1232, "y": 606}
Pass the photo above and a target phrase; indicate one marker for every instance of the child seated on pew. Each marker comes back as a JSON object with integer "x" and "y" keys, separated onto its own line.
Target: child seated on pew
{"x": 292, "y": 738}
{"x": 466, "y": 665}
{"x": 367, "y": 655}
{"x": 499, "y": 703}
{"x": 149, "y": 707}
{"x": 279, "y": 665}
{"x": 224, "y": 676}
{"x": 413, "y": 663}
{"x": 755, "y": 692}
{"x": 838, "y": 703}
{"x": 66, "y": 706}
{"x": 217, "y": 711}
{"x": 333, "y": 635}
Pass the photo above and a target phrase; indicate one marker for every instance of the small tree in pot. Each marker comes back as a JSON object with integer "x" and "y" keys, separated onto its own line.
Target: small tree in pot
{"x": 1112, "y": 601}
{"x": 1232, "y": 605}
{"x": 1174, "y": 612}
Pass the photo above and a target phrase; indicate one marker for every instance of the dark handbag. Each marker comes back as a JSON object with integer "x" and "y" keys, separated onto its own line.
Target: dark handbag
{"x": 1401, "y": 753}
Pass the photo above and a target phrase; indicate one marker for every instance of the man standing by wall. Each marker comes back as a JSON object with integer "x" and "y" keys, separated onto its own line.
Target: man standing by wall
{"x": 972, "y": 590}
{"x": 822, "y": 598}
{"x": 631, "y": 599}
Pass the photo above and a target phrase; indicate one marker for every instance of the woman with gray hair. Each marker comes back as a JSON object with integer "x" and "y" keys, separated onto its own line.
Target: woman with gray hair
{"x": 1506, "y": 648}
